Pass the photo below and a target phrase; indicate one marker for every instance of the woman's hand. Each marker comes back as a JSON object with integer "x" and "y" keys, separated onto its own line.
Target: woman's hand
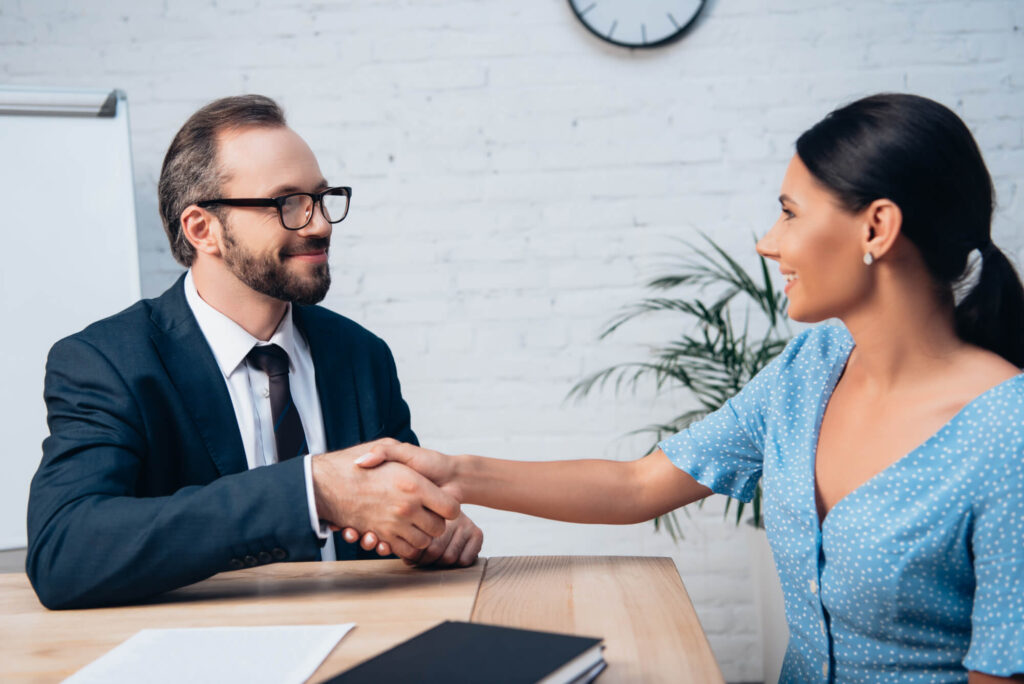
{"x": 437, "y": 467}
{"x": 462, "y": 539}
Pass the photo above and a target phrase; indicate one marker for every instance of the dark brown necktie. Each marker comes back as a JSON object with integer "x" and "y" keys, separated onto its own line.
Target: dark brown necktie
{"x": 288, "y": 433}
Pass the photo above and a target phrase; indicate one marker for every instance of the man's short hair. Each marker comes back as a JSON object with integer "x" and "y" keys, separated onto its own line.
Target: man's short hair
{"x": 191, "y": 173}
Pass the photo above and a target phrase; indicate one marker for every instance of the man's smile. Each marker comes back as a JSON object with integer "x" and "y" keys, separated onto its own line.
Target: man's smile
{"x": 317, "y": 256}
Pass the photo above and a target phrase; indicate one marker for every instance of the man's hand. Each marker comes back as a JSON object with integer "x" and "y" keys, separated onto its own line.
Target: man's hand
{"x": 405, "y": 509}
{"x": 459, "y": 545}
{"x": 462, "y": 539}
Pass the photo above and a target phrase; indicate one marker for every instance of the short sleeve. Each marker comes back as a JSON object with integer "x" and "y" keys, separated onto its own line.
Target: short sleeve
{"x": 997, "y": 540}
{"x": 725, "y": 450}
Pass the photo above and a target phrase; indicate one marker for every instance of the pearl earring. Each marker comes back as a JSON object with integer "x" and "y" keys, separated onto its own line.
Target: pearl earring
{"x": 868, "y": 258}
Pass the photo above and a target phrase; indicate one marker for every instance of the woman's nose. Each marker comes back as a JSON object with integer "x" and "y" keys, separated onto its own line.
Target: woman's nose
{"x": 768, "y": 246}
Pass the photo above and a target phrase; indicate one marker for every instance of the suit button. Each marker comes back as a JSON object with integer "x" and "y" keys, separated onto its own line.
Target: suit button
{"x": 263, "y": 556}
{"x": 236, "y": 564}
{"x": 251, "y": 561}
{"x": 279, "y": 554}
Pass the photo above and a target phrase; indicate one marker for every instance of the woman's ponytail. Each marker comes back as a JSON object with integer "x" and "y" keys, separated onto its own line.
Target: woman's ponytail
{"x": 991, "y": 315}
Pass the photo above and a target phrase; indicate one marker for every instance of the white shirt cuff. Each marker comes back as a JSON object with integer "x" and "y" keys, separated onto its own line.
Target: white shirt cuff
{"x": 321, "y": 528}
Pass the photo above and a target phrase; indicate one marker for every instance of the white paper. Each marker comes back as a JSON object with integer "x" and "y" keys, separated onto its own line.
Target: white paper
{"x": 275, "y": 655}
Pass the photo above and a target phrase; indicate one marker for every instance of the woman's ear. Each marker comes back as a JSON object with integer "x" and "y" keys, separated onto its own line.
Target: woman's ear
{"x": 883, "y": 222}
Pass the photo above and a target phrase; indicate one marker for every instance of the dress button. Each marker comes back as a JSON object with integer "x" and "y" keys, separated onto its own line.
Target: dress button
{"x": 824, "y": 669}
{"x": 266, "y": 391}
{"x": 264, "y": 556}
{"x": 814, "y": 587}
{"x": 236, "y": 564}
{"x": 822, "y": 626}
{"x": 279, "y": 554}
{"x": 251, "y": 561}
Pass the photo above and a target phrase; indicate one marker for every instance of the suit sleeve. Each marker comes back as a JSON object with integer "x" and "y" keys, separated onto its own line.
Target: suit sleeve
{"x": 92, "y": 540}
{"x": 398, "y": 423}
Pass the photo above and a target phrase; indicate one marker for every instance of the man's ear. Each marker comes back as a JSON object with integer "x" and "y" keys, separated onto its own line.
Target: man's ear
{"x": 883, "y": 222}
{"x": 201, "y": 229}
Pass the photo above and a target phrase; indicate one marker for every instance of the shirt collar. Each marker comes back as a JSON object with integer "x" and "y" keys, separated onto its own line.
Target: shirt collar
{"x": 229, "y": 341}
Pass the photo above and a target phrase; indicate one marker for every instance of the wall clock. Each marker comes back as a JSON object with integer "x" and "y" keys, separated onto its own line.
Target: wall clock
{"x": 637, "y": 23}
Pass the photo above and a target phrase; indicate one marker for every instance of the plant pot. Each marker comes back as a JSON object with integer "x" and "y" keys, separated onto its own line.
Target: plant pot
{"x": 770, "y": 605}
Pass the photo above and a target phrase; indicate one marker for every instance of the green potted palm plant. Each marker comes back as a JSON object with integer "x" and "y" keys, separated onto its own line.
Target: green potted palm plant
{"x": 734, "y": 324}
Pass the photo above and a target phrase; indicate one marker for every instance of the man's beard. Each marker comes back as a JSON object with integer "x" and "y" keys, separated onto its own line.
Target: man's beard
{"x": 267, "y": 274}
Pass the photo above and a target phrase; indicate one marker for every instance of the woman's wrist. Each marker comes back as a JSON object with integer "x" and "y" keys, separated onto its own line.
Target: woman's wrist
{"x": 463, "y": 466}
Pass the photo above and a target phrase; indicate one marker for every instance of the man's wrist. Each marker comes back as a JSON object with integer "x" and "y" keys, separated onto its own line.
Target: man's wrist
{"x": 319, "y": 527}
{"x": 315, "y": 479}
{"x": 325, "y": 481}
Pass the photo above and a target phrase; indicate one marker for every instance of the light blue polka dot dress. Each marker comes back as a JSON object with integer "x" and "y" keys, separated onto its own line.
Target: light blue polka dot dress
{"x": 917, "y": 575}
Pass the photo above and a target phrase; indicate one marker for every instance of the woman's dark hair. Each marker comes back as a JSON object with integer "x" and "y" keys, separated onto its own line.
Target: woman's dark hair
{"x": 920, "y": 155}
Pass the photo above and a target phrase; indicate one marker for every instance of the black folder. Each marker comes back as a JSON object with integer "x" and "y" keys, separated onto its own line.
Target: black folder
{"x": 472, "y": 652}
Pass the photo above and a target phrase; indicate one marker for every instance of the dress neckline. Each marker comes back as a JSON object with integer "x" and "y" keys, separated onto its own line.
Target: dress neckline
{"x": 837, "y": 373}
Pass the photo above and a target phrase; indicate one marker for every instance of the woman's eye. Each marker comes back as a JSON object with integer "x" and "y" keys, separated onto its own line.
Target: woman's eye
{"x": 787, "y": 213}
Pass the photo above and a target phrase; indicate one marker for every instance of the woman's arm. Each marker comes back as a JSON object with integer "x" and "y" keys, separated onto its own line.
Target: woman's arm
{"x": 582, "y": 491}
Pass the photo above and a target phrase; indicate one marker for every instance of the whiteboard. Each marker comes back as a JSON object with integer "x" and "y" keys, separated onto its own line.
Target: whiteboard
{"x": 71, "y": 254}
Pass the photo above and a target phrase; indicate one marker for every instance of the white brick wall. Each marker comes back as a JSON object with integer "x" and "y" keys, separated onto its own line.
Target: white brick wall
{"x": 516, "y": 181}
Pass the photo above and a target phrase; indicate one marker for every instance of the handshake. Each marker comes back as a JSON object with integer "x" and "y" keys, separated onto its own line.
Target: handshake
{"x": 398, "y": 498}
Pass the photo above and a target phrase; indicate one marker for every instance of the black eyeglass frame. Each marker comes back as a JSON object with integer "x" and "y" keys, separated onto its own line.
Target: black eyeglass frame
{"x": 279, "y": 202}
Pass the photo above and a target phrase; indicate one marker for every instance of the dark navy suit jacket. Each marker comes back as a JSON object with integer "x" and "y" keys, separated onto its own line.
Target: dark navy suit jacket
{"x": 144, "y": 487}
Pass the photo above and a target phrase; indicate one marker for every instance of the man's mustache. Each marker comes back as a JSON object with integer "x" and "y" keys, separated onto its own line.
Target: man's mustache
{"x": 308, "y": 245}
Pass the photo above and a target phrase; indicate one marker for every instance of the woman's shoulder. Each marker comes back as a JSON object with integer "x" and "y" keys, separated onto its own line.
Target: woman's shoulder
{"x": 991, "y": 444}
{"x": 992, "y": 425}
{"x": 818, "y": 347}
{"x": 1001, "y": 408}
{"x": 990, "y": 385}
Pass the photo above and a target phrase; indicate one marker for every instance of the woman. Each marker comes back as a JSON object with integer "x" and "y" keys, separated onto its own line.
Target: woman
{"x": 890, "y": 448}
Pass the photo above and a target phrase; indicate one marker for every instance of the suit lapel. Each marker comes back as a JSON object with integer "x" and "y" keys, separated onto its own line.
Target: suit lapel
{"x": 335, "y": 381}
{"x": 339, "y": 400}
{"x": 194, "y": 371}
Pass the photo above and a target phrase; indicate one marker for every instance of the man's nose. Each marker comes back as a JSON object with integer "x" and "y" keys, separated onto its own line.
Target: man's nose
{"x": 318, "y": 226}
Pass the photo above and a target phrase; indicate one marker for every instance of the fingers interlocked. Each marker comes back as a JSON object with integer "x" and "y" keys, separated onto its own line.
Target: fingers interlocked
{"x": 435, "y": 541}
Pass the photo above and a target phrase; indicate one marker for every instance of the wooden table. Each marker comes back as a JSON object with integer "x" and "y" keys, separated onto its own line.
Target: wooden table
{"x": 637, "y": 604}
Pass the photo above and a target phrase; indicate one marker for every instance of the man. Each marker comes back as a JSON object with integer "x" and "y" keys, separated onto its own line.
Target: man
{"x": 181, "y": 428}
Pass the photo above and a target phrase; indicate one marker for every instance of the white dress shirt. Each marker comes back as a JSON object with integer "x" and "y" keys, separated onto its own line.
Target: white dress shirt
{"x": 249, "y": 388}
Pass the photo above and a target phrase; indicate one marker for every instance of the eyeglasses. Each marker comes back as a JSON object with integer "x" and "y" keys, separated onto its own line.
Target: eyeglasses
{"x": 296, "y": 209}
